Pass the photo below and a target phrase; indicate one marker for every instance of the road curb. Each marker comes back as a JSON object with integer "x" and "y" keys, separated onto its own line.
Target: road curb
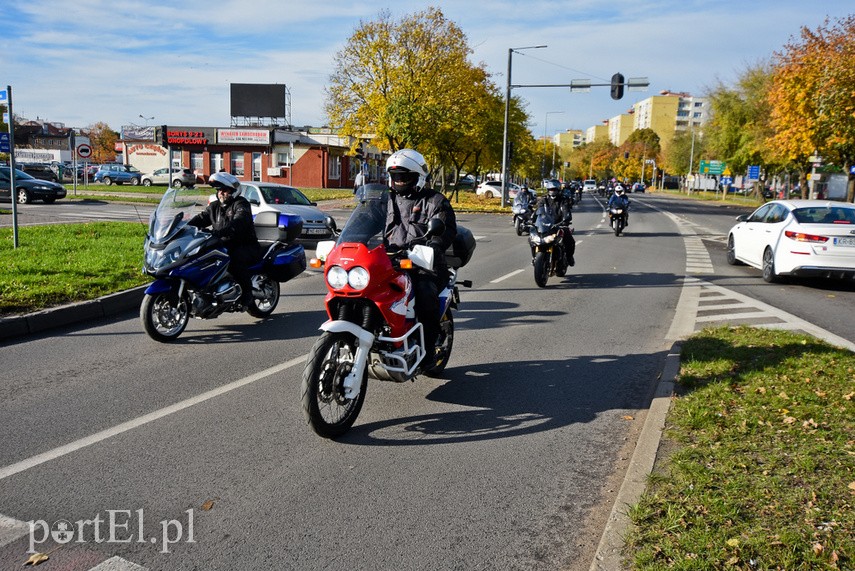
{"x": 610, "y": 549}
{"x": 39, "y": 321}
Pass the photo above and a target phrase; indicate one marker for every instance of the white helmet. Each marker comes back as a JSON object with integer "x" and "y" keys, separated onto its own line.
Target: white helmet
{"x": 225, "y": 181}
{"x": 408, "y": 172}
{"x": 618, "y": 189}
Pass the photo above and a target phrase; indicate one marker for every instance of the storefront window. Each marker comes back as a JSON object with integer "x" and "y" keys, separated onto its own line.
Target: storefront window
{"x": 216, "y": 162}
{"x": 256, "y": 166}
{"x": 335, "y": 168}
{"x": 237, "y": 164}
{"x": 197, "y": 163}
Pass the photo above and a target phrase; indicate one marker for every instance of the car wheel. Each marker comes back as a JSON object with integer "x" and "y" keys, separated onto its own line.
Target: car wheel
{"x": 23, "y": 196}
{"x": 108, "y": 181}
{"x": 488, "y": 194}
{"x": 135, "y": 181}
{"x": 176, "y": 184}
{"x": 731, "y": 252}
{"x": 146, "y": 182}
{"x": 769, "y": 274}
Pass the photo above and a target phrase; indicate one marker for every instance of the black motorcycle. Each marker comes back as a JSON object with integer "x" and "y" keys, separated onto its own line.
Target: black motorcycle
{"x": 522, "y": 209}
{"x": 546, "y": 238}
{"x": 617, "y": 218}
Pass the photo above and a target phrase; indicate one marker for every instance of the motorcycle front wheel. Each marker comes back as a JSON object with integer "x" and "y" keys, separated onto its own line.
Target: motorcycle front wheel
{"x": 541, "y": 268}
{"x": 265, "y": 296}
{"x": 164, "y": 315}
{"x": 519, "y": 226}
{"x": 444, "y": 344}
{"x": 618, "y": 226}
{"x": 326, "y": 409}
{"x": 561, "y": 263}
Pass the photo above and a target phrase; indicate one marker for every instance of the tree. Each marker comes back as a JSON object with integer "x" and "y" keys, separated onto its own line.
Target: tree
{"x": 407, "y": 82}
{"x": 812, "y": 99}
{"x": 103, "y": 140}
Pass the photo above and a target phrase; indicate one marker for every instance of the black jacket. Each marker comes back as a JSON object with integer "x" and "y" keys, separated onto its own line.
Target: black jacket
{"x": 407, "y": 218}
{"x": 233, "y": 224}
{"x": 560, "y": 208}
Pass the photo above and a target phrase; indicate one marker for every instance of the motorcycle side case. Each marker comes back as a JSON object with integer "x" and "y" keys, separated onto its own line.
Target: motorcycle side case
{"x": 287, "y": 263}
{"x": 460, "y": 252}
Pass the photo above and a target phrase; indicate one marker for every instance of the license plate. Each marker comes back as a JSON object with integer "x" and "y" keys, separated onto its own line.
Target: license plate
{"x": 316, "y": 231}
{"x": 844, "y": 242}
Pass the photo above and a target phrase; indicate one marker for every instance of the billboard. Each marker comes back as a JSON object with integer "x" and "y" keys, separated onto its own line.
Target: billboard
{"x": 259, "y": 100}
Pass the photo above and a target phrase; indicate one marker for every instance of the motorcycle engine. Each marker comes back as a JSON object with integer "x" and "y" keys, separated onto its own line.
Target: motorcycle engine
{"x": 228, "y": 292}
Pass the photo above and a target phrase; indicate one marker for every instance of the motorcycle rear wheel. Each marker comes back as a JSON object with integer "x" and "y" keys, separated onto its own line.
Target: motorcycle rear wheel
{"x": 541, "y": 269}
{"x": 322, "y": 389}
{"x": 164, "y": 316}
{"x": 268, "y": 289}
{"x": 445, "y": 343}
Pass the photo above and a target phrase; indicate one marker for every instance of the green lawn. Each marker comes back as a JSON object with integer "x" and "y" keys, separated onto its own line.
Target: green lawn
{"x": 762, "y": 472}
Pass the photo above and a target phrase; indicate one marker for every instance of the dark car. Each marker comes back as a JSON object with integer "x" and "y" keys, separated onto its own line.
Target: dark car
{"x": 41, "y": 171}
{"x": 28, "y": 188}
{"x": 119, "y": 174}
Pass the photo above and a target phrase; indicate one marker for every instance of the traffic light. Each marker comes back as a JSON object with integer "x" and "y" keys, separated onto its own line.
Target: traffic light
{"x": 360, "y": 153}
{"x": 617, "y": 86}
{"x": 160, "y": 136}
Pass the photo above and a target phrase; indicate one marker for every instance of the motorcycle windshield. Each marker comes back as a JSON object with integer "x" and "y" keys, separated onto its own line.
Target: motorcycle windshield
{"x": 177, "y": 206}
{"x": 545, "y": 220}
{"x": 366, "y": 224}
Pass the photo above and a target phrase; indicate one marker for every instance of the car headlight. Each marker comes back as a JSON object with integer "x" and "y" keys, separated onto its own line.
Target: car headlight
{"x": 336, "y": 277}
{"x": 358, "y": 278}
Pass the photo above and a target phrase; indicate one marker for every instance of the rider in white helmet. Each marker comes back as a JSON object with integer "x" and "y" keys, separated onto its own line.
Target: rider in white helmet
{"x": 230, "y": 219}
{"x": 412, "y": 202}
{"x": 621, "y": 200}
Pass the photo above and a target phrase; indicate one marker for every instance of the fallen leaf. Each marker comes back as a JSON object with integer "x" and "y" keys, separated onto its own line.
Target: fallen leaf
{"x": 809, "y": 423}
{"x": 36, "y": 558}
{"x": 817, "y": 548}
{"x": 733, "y": 542}
{"x": 848, "y": 396}
{"x": 852, "y": 486}
{"x": 789, "y": 420}
{"x": 207, "y": 505}
{"x": 628, "y": 417}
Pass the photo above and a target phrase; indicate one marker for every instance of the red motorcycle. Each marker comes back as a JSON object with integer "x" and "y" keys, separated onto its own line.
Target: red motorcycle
{"x": 372, "y": 329}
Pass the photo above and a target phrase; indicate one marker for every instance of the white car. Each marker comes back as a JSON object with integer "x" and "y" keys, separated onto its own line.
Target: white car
{"x": 266, "y": 196}
{"x": 493, "y": 189}
{"x": 589, "y": 185}
{"x": 796, "y": 238}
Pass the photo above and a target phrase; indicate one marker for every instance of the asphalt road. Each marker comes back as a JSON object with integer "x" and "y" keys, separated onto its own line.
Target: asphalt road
{"x": 512, "y": 461}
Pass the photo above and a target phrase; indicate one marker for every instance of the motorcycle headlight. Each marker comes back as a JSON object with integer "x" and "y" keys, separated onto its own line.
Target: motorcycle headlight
{"x": 549, "y": 239}
{"x": 336, "y": 277}
{"x": 535, "y": 239}
{"x": 358, "y": 278}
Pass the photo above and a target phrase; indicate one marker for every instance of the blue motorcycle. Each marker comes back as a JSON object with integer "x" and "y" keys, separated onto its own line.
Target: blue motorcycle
{"x": 191, "y": 266}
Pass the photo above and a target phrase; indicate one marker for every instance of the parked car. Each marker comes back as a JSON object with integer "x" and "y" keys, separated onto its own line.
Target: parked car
{"x": 268, "y": 196}
{"x": 28, "y": 188}
{"x": 180, "y": 177}
{"x": 796, "y": 238}
{"x": 40, "y": 170}
{"x": 493, "y": 189}
{"x": 120, "y": 174}
{"x": 638, "y": 187}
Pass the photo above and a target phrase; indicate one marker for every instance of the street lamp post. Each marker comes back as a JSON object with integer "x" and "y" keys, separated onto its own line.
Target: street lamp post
{"x": 507, "y": 113}
{"x": 146, "y": 119}
{"x": 545, "y": 123}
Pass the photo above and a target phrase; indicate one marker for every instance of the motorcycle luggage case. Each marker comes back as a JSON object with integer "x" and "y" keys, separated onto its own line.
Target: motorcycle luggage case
{"x": 276, "y": 226}
{"x": 460, "y": 252}
{"x": 287, "y": 263}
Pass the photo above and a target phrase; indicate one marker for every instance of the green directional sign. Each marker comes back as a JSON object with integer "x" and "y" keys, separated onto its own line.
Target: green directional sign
{"x": 713, "y": 167}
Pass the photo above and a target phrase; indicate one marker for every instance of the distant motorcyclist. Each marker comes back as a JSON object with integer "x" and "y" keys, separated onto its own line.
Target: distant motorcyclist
{"x": 561, "y": 209}
{"x": 412, "y": 203}
{"x": 230, "y": 219}
{"x": 620, "y": 200}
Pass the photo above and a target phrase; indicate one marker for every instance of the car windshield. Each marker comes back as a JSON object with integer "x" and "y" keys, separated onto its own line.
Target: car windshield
{"x": 283, "y": 195}
{"x": 825, "y": 215}
{"x": 19, "y": 174}
{"x": 365, "y": 225}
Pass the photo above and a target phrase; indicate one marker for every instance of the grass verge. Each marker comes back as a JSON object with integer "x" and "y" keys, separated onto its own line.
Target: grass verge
{"x": 762, "y": 472}
{"x": 62, "y": 263}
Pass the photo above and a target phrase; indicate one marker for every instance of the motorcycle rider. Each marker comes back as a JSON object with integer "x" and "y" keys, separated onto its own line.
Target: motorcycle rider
{"x": 412, "y": 203}
{"x": 620, "y": 200}
{"x": 230, "y": 219}
{"x": 561, "y": 209}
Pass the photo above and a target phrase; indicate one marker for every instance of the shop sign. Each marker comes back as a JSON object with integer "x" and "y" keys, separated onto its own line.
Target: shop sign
{"x": 243, "y": 136}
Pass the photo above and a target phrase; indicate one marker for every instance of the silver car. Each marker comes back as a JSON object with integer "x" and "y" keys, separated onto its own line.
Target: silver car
{"x": 180, "y": 177}
{"x": 269, "y": 196}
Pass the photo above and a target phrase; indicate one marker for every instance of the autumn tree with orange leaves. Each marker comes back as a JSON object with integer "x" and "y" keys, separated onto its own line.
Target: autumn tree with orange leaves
{"x": 812, "y": 96}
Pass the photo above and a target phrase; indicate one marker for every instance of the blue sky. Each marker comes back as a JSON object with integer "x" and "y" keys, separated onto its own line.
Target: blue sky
{"x": 82, "y": 61}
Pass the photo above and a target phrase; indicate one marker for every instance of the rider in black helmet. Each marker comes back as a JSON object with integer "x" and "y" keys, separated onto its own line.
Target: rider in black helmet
{"x": 561, "y": 209}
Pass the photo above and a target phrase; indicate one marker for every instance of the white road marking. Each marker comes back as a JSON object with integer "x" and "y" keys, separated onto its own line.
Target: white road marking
{"x": 506, "y": 276}
{"x": 60, "y": 451}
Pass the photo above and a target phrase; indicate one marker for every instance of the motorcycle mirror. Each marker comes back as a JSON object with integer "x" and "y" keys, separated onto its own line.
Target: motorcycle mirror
{"x": 435, "y": 227}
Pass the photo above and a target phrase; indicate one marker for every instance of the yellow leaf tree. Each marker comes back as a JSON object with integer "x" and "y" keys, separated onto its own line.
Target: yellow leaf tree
{"x": 103, "y": 140}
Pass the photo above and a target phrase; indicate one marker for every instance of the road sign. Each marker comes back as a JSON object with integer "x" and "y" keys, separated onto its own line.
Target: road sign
{"x": 4, "y": 143}
{"x": 713, "y": 167}
{"x": 4, "y": 96}
{"x": 726, "y": 180}
{"x": 84, "y": 151}
{"x": 754, "y": 172}
{"x": 852, "y": 169}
